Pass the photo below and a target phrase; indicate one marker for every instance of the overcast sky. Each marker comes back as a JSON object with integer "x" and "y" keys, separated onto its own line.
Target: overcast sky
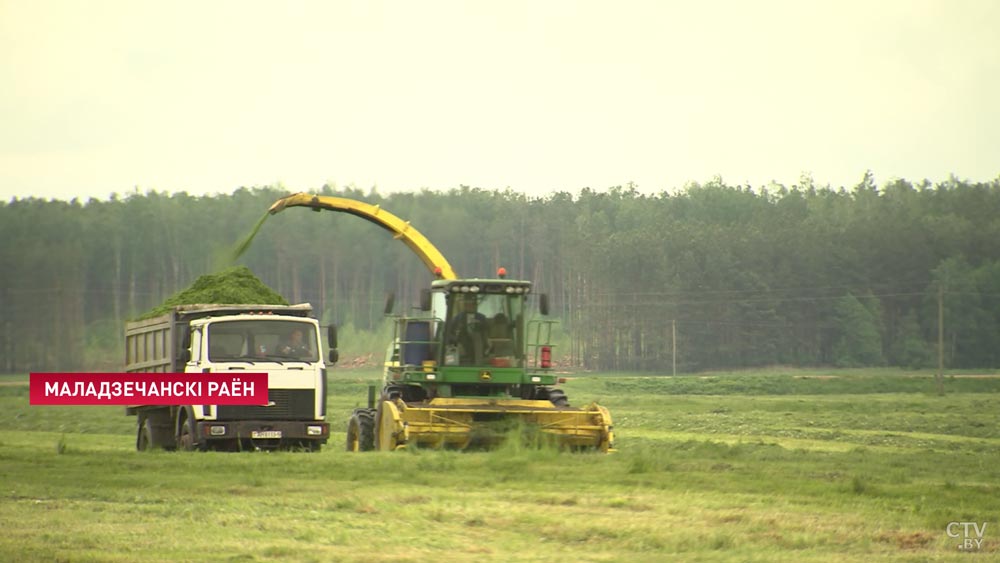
{"x": 98, "y": 97}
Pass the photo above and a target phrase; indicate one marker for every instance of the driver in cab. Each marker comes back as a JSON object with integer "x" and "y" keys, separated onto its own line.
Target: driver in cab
{"x": 467, "y": 329}
{"x": 295, "y": 346}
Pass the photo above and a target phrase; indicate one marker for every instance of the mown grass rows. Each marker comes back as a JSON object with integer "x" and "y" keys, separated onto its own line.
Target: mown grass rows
{"x": 729, "y": 477}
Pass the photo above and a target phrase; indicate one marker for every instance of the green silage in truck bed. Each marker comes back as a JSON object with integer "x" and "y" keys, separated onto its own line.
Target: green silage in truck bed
{"x": 232, "y": 286}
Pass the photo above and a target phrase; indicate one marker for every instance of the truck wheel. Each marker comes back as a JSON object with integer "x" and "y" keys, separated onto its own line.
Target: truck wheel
{"x": 144, "y": 438}
{"x": 361, "y": 431}
{"x": 185, "y": 441}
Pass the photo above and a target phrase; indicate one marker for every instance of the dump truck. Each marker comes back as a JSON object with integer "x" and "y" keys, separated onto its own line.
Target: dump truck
{"x": 472, "y": 368}
{"x": 218, "y": 338}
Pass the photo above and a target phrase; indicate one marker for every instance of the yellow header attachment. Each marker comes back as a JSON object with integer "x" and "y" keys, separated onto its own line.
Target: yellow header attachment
{"x": 400, "y": 229}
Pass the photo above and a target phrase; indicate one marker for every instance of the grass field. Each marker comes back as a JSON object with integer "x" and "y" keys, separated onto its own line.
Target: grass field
{"x": 764, "y": 466}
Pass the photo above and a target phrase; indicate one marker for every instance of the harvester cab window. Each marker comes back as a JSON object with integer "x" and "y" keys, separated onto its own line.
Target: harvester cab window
{"x": 482, "y": 330}
{"x": 500, "y": 337}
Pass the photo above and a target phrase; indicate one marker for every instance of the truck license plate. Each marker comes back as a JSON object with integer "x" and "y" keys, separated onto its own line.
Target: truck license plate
{"x": 265, "y": 434}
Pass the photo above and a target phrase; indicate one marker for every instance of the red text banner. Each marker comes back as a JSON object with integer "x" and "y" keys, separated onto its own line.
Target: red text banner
{"x": 148, "y": 389}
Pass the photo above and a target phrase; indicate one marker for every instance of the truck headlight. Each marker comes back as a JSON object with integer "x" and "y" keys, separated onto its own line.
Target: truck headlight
{"x": 314, "y": 430}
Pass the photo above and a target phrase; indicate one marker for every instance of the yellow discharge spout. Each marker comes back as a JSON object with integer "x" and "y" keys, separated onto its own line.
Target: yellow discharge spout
{"x": 400, "y": 229}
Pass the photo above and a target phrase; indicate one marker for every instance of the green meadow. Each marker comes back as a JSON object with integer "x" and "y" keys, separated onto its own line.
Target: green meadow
{"x": 773, "y": 465}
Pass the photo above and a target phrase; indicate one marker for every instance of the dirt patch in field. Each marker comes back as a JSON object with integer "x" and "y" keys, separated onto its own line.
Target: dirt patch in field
{"x": 366, "y": 360}
{"x": 904, "y": 540}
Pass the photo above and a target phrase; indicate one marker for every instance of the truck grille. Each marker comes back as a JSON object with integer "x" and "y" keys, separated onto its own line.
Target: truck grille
{"x": 289, "y": 404}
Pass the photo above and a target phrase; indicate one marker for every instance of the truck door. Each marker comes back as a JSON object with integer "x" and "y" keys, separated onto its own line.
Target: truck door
{"x": 194, "y": 364}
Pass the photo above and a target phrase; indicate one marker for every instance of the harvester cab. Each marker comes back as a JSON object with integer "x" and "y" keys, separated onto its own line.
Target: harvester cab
{"x": 473, "y": 339}
{"x": 471, "y": 368}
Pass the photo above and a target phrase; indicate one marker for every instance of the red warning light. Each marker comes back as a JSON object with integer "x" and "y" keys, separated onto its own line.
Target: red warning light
{"x": 437, "y": 271}
{"x": 501, "y": 272}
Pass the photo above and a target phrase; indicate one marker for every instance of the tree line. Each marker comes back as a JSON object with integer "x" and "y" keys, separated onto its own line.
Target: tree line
{"x": 733, "y": 276}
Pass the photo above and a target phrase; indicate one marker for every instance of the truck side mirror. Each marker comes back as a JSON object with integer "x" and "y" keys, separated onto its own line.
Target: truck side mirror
{"x": 331, "y": 341}
{"x": 331, "y": 337}
{"x": 390, "y": 302}
{"x": 425, "y": 299}
{"x": 543, "y": 303}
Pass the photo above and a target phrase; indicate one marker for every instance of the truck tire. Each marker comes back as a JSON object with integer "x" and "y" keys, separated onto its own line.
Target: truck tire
{"x": 186, "y": 435}
{"x": 155, "y": 431}
{"x": 144, "y": 437}
{"x": 361, "y": 431}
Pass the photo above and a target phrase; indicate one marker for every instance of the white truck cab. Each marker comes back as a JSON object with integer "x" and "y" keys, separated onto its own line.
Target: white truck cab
{"x": 282, "y": 341}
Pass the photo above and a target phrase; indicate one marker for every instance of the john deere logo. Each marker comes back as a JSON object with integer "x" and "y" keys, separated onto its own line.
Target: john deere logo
{"x": 485, "y": 376}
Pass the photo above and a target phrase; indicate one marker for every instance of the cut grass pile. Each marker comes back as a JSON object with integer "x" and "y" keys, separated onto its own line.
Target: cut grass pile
{"x": 232, "y": 286}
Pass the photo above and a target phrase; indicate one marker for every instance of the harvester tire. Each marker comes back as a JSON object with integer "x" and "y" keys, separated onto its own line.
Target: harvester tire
{"x": 361, "y": 431}
{"x": 391, "y": 430}
{"x": 408, "y": 393}
{"x": 558, "y": 398}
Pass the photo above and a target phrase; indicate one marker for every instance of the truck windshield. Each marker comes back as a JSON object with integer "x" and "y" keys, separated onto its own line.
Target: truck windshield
{"x": 262, "y": 340}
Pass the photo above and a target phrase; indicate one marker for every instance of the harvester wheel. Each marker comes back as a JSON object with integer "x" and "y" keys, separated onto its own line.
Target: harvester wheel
{"x": 391, "y": 432}
{"x": 408, "y": 393}
{"x": 361, "y": 431}
{"x": 558, "y": 398}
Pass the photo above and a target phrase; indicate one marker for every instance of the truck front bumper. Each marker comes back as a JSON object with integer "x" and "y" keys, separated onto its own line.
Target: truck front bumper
{"x": 264, "y": 432}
